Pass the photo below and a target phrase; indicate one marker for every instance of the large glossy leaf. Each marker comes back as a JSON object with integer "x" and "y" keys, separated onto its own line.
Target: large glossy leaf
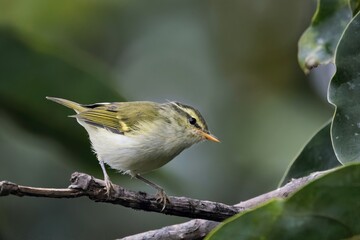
{"x": 30, "y": 70}
{"x": 344, "y": 93}
{"x": 325, "y": 209}
{"x": 317, "y": 155}
{"x": 318, "y": 43}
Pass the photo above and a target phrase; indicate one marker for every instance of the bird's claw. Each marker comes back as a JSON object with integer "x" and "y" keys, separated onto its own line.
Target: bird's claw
{"x": 161, "y": 197}
{"x": 109, "y": 187}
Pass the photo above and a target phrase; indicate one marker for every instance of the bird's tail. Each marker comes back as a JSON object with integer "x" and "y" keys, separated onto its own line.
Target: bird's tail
{"x": 67, "y": 103}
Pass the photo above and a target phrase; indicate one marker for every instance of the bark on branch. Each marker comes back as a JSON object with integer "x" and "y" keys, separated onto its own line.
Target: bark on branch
{"x": 198, "y": 228}
{"x": 86, "y": 185}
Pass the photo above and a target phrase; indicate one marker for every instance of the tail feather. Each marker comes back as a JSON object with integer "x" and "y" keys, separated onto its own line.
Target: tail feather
{"x": 67, "y": 103}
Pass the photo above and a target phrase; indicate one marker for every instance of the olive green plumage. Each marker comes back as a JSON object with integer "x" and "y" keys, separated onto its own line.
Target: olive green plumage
{"x": 119, "y": 117}
{"x": 137, "y": 137}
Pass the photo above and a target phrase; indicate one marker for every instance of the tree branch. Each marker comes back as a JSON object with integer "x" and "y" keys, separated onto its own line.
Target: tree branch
{"x": 194, "y": 229}
{"x": 198, "y": 229}
{"x": 86, "y": 185}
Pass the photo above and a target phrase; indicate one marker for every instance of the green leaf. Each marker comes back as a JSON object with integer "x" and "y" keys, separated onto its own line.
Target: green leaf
{"x": 318, "y": 43}
{"x": 326, "y": 208}
{"x": 317, "y": 155}
{"x": 344, "y": 93}
{"x": 30, "y": 71}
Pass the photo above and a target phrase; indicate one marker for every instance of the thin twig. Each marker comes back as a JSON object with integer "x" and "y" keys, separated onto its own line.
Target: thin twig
{"x": 194, "y": 229}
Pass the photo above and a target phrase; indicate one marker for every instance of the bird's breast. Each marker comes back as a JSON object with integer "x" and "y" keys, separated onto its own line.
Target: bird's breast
{"x": 134, "y": 154}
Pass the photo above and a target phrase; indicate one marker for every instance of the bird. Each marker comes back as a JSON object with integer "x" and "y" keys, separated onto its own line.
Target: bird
{"x": 137, "y": 137}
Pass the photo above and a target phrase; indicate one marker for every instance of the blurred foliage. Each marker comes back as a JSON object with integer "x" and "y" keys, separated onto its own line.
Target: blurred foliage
{"x": 40, "y": 73}
{"x": 318, "y": 43}
{"x": 230, "y": 59}
{"x": 323, "y": 209}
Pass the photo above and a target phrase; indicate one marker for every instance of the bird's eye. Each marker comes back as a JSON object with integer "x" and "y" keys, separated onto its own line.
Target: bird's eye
{"x": 192, "y": 121}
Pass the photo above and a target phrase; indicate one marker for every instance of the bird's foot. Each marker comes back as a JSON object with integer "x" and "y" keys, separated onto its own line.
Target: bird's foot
{"x": 161, "y": 197}
{"x": 109, "y": 187}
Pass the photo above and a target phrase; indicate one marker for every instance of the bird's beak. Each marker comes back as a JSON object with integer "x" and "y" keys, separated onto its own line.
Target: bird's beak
{"x": 209, "y": 136}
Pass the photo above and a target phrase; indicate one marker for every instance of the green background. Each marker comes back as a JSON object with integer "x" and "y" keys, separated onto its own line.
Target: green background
{"x": 236, "y": 61}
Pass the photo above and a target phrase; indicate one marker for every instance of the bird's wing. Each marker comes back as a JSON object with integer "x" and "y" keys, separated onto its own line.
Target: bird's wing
{"x": 118, "y": 117}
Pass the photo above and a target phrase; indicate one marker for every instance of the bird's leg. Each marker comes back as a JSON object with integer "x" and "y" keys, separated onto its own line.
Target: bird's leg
{"x": 161, "y": 196}
{"x": 108, "y": 183}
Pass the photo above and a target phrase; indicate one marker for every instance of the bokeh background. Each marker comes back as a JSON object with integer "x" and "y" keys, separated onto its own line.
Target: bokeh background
{"x": 233, "y": 60}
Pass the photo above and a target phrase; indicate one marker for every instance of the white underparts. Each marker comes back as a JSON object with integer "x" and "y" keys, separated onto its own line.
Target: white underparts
{"x": 137, "y": 153}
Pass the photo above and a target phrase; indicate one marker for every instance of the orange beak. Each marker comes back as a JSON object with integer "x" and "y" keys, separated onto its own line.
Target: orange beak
{"x": 209, "y": 136}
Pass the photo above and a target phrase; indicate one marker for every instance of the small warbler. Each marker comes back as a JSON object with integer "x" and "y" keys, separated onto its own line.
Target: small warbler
{"x": 138, "y": 137}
